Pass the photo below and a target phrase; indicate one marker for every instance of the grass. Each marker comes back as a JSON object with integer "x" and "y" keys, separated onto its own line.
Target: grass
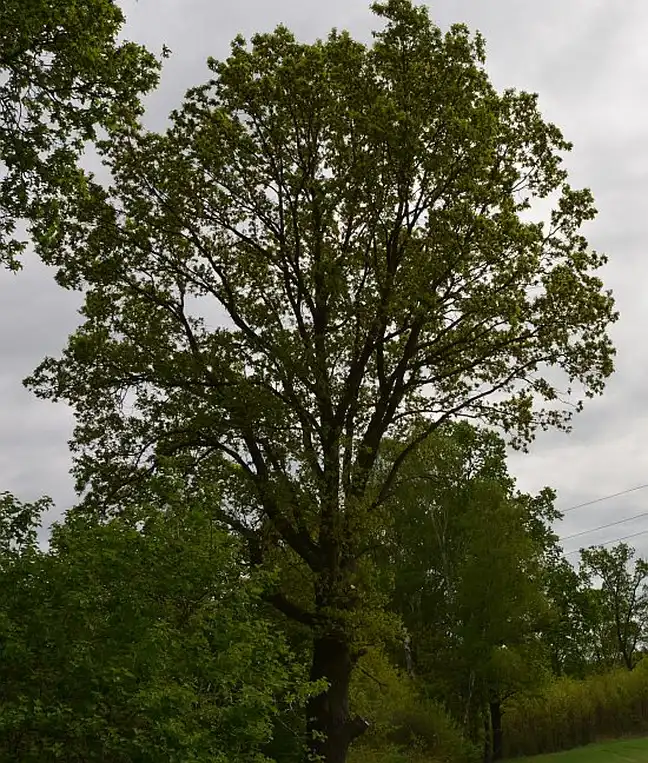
{"x": 620, "y": 751}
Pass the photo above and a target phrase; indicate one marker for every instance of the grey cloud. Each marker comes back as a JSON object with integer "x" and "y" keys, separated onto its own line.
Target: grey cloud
{"x": 37, "y": 316}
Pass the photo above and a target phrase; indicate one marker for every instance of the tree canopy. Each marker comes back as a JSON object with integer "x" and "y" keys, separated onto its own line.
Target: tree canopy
{"x": 355, "y": 221}
{"x": 467, "y": 553}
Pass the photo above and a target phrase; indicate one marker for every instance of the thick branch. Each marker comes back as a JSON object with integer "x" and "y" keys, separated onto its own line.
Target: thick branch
{"x": 290, "y": 609}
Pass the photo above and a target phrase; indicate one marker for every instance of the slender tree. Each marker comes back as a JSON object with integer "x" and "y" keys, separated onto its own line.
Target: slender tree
{"x": 623, "y": 597}
{"x": 329, "y": 246}
{"x": 467, "y": 552}
{"x": 572, "y": 630}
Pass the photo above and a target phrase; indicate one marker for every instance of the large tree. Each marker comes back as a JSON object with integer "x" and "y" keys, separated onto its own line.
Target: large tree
{"x": 329, "y": 246}
{"x": 63, "y": 74}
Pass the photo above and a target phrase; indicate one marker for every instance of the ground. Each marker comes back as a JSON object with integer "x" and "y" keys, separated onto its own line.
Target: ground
{"x": 620, "y": 751}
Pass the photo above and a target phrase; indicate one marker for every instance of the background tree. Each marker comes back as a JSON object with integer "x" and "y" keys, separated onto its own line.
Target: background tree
{"x": 467, "y": 554}
{"x": 570, "y": 629}
{"x": 62, "y": 75}
{"x": 146, "y": 644}
{"x": 354, "y": 214}
{"x": 622, "y": 600}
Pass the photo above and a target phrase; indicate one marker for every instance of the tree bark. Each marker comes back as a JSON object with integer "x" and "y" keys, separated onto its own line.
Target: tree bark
{"x": 330, "y": 727}
{"x": 496, "y": 726}
{"x": 488, "y": 749}
{"x": 409, "y": 661}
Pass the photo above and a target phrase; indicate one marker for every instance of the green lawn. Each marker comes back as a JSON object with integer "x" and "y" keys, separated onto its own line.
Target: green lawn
{"x": 621, "y": 751}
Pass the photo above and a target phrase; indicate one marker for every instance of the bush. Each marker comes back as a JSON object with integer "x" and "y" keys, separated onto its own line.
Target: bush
{"x": 127, "y": 644}
{"x": 571, "y": 713}
{"x": 428, "y": 727}
{"x": 405, "y": 728}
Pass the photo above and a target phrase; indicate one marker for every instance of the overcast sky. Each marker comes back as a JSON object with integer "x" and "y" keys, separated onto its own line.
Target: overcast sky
{"x": 588, "y": 61}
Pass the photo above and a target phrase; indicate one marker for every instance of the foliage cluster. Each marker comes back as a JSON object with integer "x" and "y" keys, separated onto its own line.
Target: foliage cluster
{"x": 574, "y": 712}
{"x": 64, "y": 76}
{"x": 136, "y": 640}
{"x": 404, "y": 724}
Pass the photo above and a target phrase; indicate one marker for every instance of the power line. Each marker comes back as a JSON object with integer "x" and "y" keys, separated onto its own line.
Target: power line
{"x": 609, "y": 542}
{"x": 604, "y": 527}
{"x": 604, "y": 498}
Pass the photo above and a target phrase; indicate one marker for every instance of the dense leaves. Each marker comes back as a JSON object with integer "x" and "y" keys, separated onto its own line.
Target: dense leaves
{"x": 136, "y": 641}
{"x": 570, "y": 629}
{"x": 62, "y": 75}
{"x": 620, "y": 604}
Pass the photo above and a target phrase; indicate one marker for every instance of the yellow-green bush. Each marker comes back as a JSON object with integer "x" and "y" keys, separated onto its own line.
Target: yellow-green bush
{"x": 405, "y": 728}
{"x": 570, "y": 713}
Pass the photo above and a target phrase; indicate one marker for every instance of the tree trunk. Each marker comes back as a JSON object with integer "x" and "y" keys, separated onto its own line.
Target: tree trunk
{"x": 496, "y": 726}
{"x": 468, "y": 714}
{"x": 330, "y": 728}
{"x": 409, "y": 661}
{"x": 488, "y": 750}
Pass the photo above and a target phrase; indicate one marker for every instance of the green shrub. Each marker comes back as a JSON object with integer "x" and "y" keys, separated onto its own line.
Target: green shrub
{"x": 128, "y": 644}
{"x": 571, "y": 713}
{"x": 386, "y": 754}
{"x": 428, "y": 727}
{"x": 405, "y": 728}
